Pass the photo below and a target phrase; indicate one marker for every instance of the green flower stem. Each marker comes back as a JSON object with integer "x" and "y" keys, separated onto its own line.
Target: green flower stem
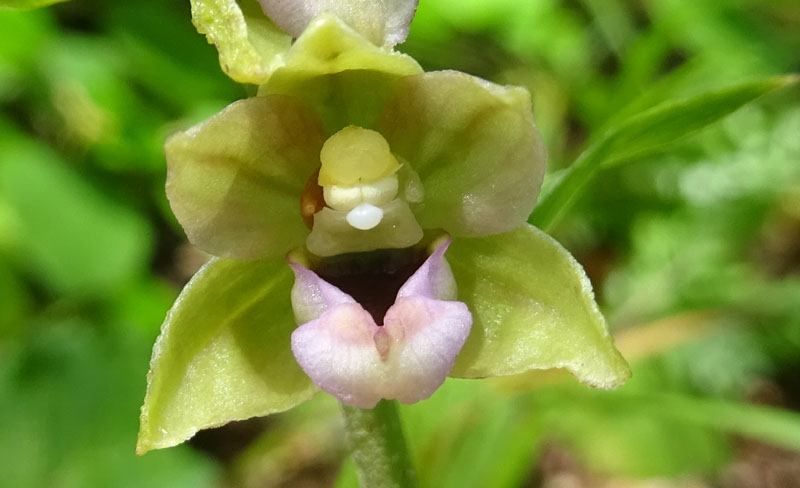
{"x": 379, "y": 449}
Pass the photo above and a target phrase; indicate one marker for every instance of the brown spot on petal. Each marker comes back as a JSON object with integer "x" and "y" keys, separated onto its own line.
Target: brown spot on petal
{"x": 312, "y": 200}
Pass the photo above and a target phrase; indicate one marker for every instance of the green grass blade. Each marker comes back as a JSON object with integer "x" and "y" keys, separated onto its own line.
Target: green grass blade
{"x": 645, "y": 132}
{"x": 766, "y": 424}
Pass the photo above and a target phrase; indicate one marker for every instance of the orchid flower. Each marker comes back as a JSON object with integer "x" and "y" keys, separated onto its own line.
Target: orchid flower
{"x": 362, "y": 171}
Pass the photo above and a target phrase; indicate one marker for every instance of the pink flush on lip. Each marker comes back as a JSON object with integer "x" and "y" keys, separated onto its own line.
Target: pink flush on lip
{"x": 346, "y": 353}
{"x": 383, "y": 22}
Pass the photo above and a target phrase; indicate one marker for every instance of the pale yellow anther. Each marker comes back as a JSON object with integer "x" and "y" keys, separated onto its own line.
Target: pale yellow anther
{"x": 354, "y": 156}
{"x": 378, "y": 193}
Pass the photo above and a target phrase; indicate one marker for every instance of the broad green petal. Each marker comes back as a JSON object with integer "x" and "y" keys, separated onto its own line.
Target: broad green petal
{"x": 533, "y": 308}
{"x": 26, "y": 4}
{"x": 235, "y": 181}
{"x": 249, "y": 44}
{"x": 475, "y": 147}
{"x": 345, "y": 77}
{"x": 224, "y": 353}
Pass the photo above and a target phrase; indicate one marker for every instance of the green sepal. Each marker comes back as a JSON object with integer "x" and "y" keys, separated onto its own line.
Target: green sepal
{"x": 345, "y": 77}
{"x": 249, "y": 44}
{"x": 224, "y": 353}
{"x": 533, "y": 308}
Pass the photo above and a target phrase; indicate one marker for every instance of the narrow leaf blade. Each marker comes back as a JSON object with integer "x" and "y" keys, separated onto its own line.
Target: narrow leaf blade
{"x": 645, "y": 132}
{"x": 763, "y": 423}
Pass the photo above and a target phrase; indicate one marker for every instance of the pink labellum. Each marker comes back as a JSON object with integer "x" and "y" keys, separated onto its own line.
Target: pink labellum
{"x": 344, "y": 352}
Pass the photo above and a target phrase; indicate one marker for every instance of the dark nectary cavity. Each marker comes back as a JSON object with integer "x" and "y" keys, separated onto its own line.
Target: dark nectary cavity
{"x": 373, "y": 278}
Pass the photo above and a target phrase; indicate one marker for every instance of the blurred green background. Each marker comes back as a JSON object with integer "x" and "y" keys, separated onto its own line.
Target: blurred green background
{"x": 694, "y": 252}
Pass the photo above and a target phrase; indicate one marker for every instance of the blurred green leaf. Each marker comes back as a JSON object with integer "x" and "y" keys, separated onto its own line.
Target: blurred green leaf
{"x": 73, "y": 237}
{"x": 91, "y": 103}
{"x": 348, "y": 476}
{"x": 22, "y": 35}
{"x": 14, "y": 302}
{"x": 69, "y": 402}
{"x": 766, "y": 424}
{"x": 140, "y": 306}
{"x": 642, "y": 431}
{"x": 224, "y": 353}
{"x": 307, "y": 437}
{"x": 168, "y": 50}
{"x": 468, "y": 435}
{"x": 612, "y": 437}
{"x": 500, "y": 433}
{"x": 643, "y": 133}
{"x": 26, "y": 4}
{"x": 533, "y": 308}
{"x": 729, "y": 35}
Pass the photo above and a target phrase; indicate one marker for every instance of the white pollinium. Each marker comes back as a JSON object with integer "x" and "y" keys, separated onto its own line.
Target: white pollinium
{"x": 346, "y": 198}
{"x": 365, "y": 216}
